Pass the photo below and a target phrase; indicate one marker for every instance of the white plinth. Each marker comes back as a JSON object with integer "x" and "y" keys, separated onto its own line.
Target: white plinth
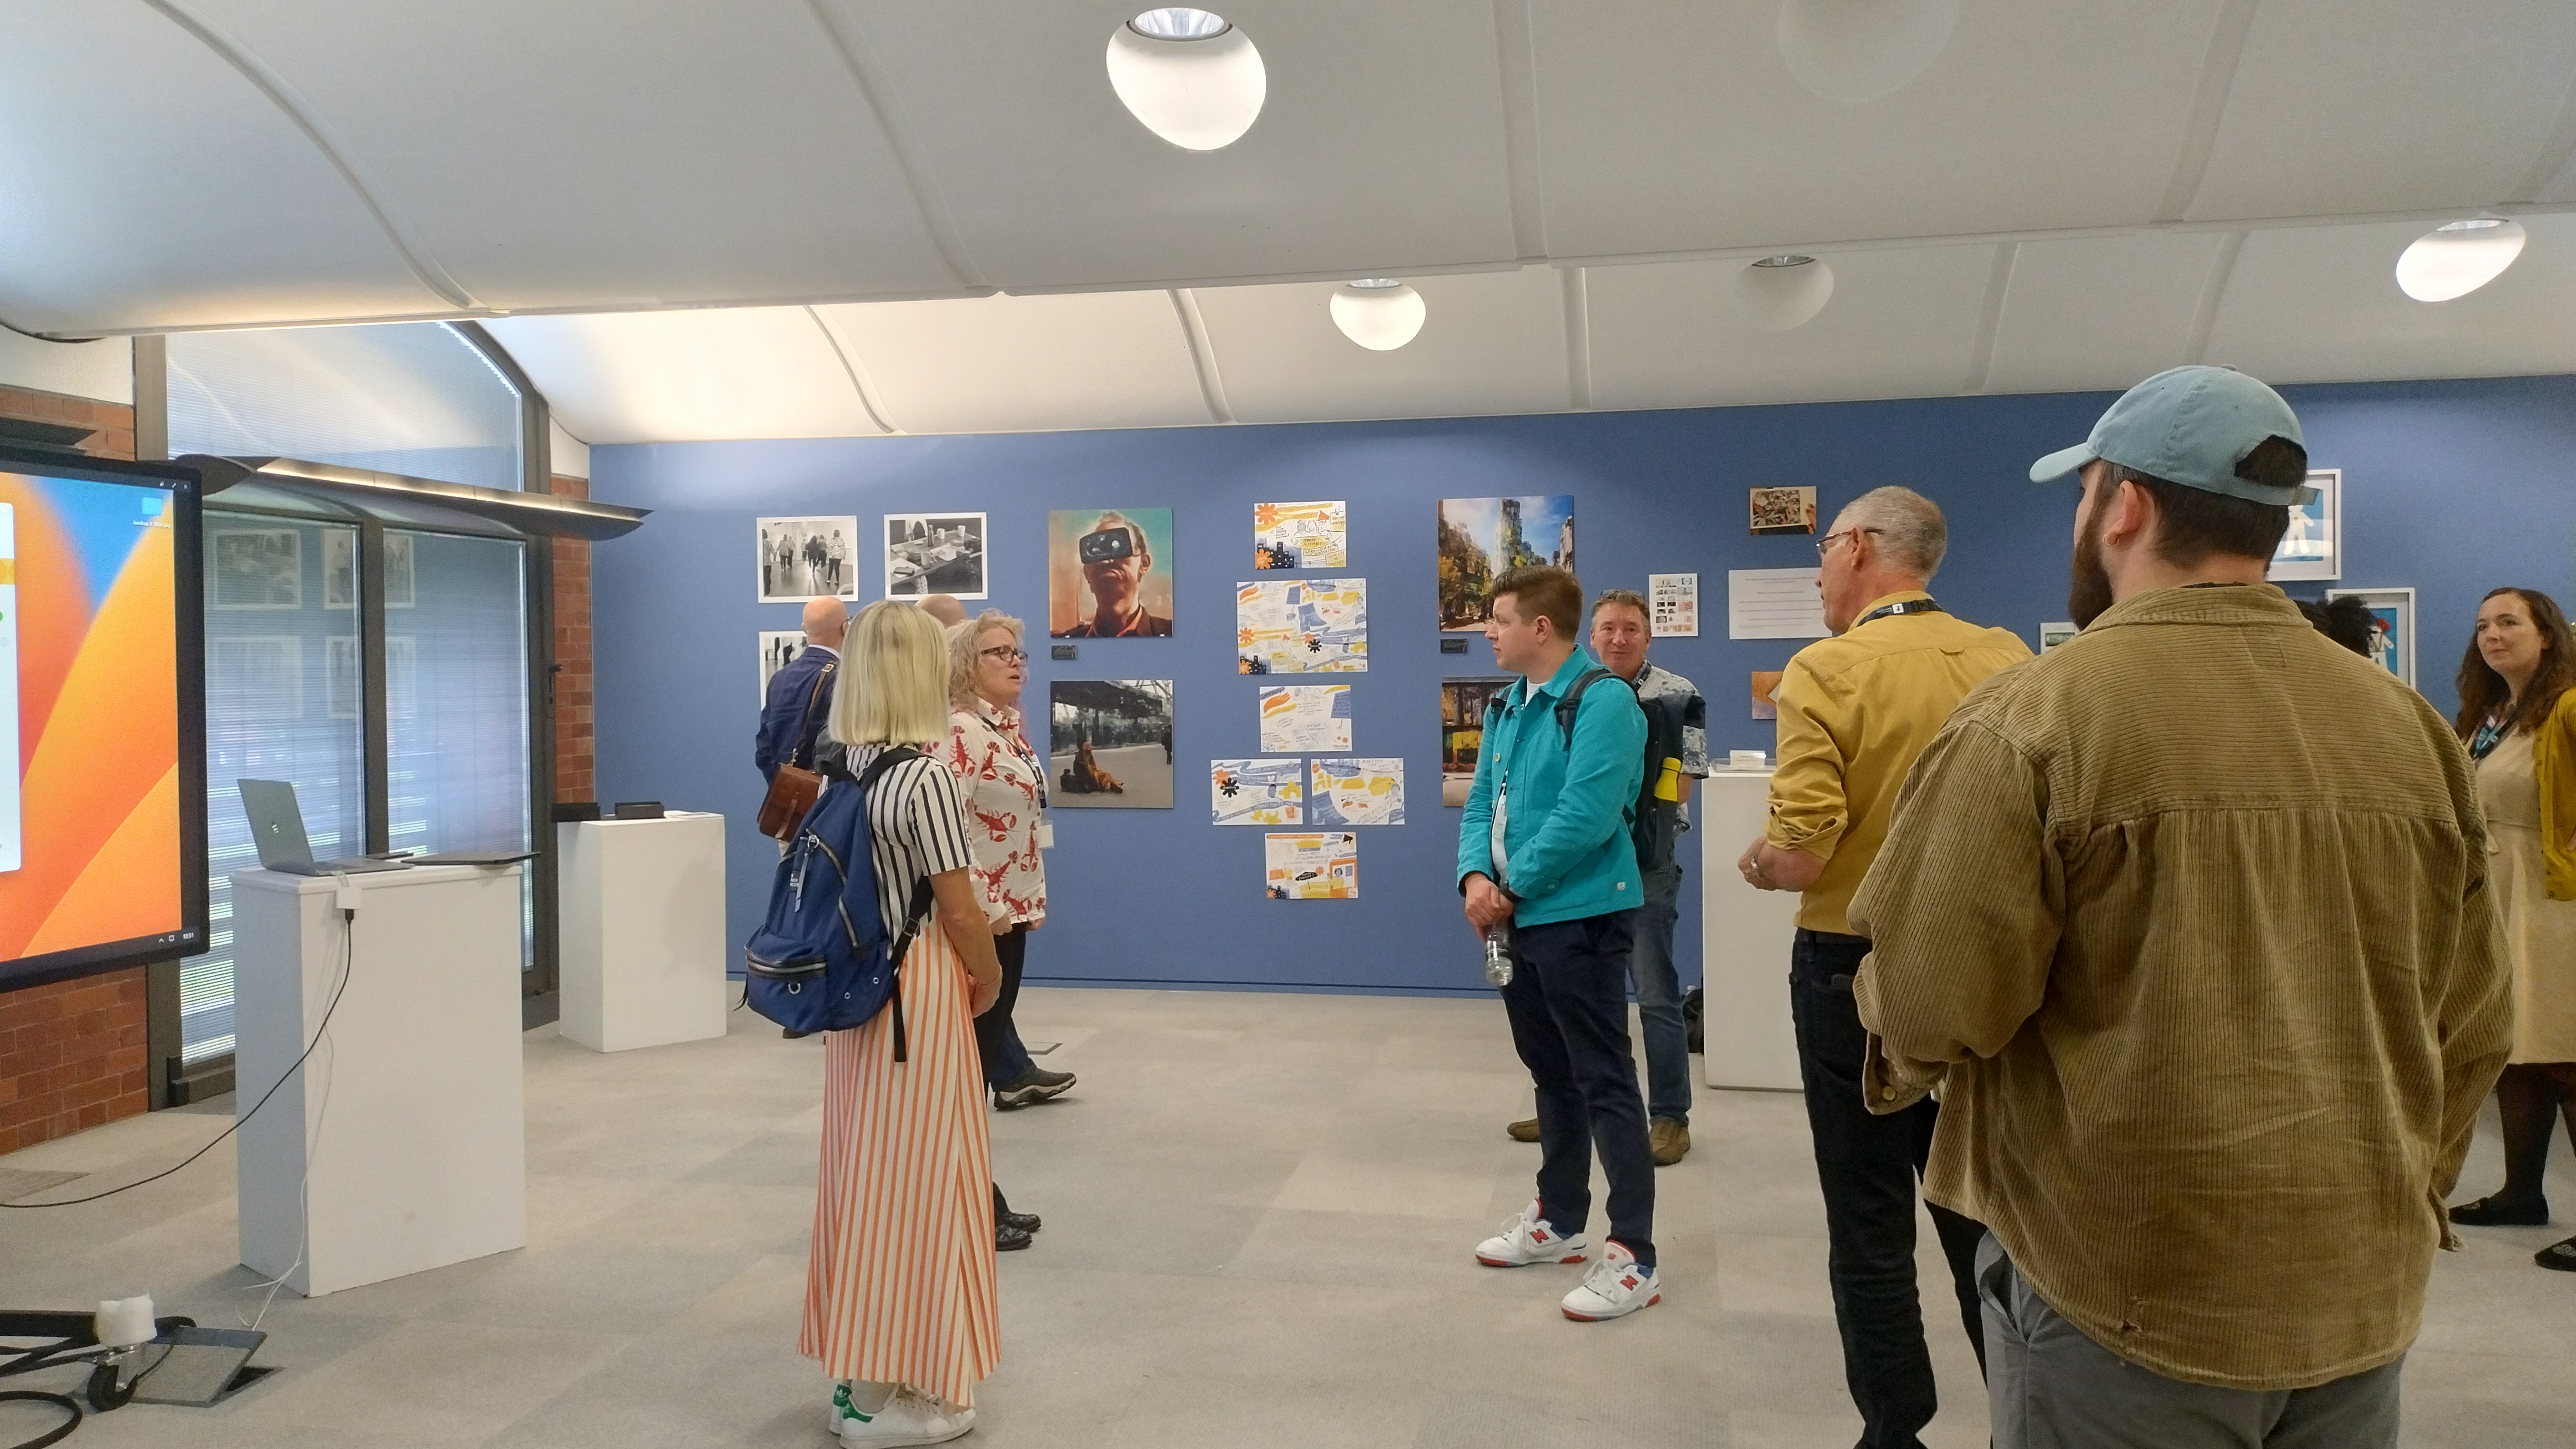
{"x": 402, "y": 1143}
{"x": 1745, "y": 937}
{"x": 644, "y": 947}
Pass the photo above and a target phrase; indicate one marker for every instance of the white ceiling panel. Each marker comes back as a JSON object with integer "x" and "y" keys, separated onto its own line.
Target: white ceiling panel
{"x": 148, "y": 185}
{"x": 2099, "y": 313}
{"x": 1902, "y": 323}
{"x": 2321, "y": 305}
{"x": 1491, "y": 342}
{"x": 2355, "y": 106}
{"x": 1381, "y": 145}
{"x": 644, "y": 377}
{"x": 1671, "y": 127}
{"x": 1023, "y": 364}
{"x": 573, "y": 153}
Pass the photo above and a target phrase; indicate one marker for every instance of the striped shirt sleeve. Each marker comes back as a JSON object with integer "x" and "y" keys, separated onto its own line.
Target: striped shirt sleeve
{"x": 934, "y": 819}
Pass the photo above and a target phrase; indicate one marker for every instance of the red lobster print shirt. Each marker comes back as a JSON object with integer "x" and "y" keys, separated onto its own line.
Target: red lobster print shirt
{"x": 1004, "y": 782}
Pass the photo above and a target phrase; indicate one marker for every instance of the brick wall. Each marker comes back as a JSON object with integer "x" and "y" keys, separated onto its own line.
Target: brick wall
{"x": 573, "y": 777}
{"x": 73, "y": 1054}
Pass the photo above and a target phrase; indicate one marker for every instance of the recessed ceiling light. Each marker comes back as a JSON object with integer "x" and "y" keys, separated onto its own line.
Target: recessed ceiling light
{"x": 1781, "y": 292}
{"x": 2456, "y": 258}
{"x": 1379, "y": 313}
{"x": 1189, "y": 75}
{"x": 1863, "y": 50}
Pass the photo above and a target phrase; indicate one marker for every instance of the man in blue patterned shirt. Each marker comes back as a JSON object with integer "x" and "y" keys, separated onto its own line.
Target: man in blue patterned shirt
{"x": 1676, "y": 754}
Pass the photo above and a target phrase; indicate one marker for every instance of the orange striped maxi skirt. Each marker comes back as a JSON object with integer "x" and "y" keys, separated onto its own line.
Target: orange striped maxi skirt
{"x": 900, "y": 1287}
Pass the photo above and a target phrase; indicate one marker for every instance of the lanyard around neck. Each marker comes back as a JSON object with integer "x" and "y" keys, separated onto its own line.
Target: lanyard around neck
{"x": 1901, "y": 606}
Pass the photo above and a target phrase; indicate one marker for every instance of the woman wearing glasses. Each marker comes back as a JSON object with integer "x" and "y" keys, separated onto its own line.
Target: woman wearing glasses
{"x": 1004, "y": 781}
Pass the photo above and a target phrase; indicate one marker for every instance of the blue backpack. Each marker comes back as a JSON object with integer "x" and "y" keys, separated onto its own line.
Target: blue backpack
{"x": 822, "y": 961}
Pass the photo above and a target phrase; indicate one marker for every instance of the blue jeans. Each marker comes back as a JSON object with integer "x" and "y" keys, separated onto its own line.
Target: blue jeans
{"x": 1568, "y": 1007}
{"x": 1659, "y": 997}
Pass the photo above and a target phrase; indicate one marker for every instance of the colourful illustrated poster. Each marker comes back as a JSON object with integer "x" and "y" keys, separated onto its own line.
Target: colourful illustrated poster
{"x": 1301, "y": 719}
{"x": 1301, "y": 626}
{"x": 1256, "y": 792}
{"x": 1358, "y": 792}
{"x": 1482, "y": 538}
{"x": 1321, "y": 866}
{"x": 1300, "y": 536}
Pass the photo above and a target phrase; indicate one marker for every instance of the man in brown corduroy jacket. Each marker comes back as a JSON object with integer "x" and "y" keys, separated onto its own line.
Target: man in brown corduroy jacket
{"x": 2188, "y": 921}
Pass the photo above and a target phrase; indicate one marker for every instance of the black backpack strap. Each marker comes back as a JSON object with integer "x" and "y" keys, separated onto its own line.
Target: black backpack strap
{"x": 1573, "y": 700}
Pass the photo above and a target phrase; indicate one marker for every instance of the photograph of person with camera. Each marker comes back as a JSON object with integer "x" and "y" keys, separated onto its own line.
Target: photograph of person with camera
{"x": 1101, "y": 578}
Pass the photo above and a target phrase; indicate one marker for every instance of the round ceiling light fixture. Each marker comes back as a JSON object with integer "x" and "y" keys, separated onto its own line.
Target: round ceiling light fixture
{"x": 2456, "y": 258}
{"x": 1379, "y": 313}
{"x": 1189, "y": 75}
{"x": 1784, "y": 291}
{"x": 1863, "y": 50}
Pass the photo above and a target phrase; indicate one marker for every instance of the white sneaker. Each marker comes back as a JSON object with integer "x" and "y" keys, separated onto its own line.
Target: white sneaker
{"x": 1615, "y": 1288}
{"x": 907, "y": 1417}
{"x": 1529, "y": 1239}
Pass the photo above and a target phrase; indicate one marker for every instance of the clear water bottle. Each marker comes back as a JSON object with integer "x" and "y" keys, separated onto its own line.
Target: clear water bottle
{"x": 1498, "y": 956}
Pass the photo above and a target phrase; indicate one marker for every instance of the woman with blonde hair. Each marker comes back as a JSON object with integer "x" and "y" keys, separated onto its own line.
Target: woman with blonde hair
{"x": 2518, "y": 716}
{"x": 900, "y": 1294}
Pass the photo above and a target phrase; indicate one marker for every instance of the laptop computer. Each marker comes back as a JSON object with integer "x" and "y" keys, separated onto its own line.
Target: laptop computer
{"x": 277, "y": 827}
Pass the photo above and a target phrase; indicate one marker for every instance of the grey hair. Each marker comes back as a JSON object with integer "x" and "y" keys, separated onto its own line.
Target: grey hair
{"x": 961, "y": 648}
{"x": 1910, "y": 529}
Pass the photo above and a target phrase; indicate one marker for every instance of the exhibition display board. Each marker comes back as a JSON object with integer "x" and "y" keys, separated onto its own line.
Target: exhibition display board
{"x": 644, "y": 947}
{"x": 1744, "y": 954}
{"x": 401, "y": 1144}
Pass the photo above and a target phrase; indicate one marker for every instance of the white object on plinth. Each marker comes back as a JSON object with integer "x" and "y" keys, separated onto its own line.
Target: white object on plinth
{"x": 643, "y": 930}
{"x": 1745, "y": 936}
{"x": 401, "y": 1145}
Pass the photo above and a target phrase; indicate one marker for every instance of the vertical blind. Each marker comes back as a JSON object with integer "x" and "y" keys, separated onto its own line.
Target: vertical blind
{"x": 284, "y": 661}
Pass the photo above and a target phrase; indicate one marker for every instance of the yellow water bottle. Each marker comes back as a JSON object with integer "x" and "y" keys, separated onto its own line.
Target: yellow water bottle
{"x": 1668, "y": 785}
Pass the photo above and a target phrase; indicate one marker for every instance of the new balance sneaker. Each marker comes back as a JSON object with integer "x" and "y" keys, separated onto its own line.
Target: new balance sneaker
{"x": 905, "y": 1417}
{"x": 1034, "y": 1086}
{"x": 1528, "y": 1239}
{"x": 1616, "y": 1287}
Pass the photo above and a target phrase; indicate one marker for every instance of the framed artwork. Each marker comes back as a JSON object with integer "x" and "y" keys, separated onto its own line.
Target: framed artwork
{"x": 256, "y": 568}
{"x": 1783, "y": 510}
{"x": 777, "y": 646}
{"x": 935, "y": 553}
{"x": 1301, "y": 626}
{"x": 1109, "y": 573}
{"x": 800, "y": 559}
{"x": 1109, "y": 744}
{"x": 257, "y": 677}
{"x": 1482, "y": 538}
{"x": 1300, "y": 536}
{"x": 1462, "y": 732}
{"x": 2313, "y": 548}
{"x": 2392, "y": 633}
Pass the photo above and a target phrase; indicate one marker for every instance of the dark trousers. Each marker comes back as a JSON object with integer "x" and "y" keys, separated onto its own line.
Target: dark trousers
{"x": 1568, "y": 1005}
{"x": 1868, "y": 1165}
{"x": 997, "y": 1039}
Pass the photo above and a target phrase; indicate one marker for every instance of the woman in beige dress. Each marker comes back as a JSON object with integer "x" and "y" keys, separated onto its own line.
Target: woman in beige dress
{"x": 2518, "y": 716}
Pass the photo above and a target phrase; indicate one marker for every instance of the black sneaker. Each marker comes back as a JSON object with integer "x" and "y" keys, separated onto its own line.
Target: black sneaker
{"x": 1034, "y": 1086}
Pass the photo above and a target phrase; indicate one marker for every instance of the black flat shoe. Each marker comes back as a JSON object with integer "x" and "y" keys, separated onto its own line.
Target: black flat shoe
{"x": 1016, "y": 1222}
{"x": 2495, "y": 1210}
{"x": 1008, "y": 1239}
{"x": 1033, "y": 1087}
{"x": 2561, "y": 1256}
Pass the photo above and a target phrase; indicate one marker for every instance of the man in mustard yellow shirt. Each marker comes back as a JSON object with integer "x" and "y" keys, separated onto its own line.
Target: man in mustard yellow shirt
{"x": 1854, "y": 712}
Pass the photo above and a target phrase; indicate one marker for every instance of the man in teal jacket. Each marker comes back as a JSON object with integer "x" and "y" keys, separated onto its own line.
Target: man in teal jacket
{"x": 1545, "y": 859}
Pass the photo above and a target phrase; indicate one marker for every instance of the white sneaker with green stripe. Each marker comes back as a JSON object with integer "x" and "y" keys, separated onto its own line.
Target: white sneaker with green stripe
{"x": 899, "y": 1417}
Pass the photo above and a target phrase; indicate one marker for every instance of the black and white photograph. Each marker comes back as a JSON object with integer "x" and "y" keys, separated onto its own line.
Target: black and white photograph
{"x": 340, "y": 569}
{"x": 2313, "y": 547}
{"x": 257, "y": 677}
{"x": 256, "y": 568}
{"x": 777, "y": 646}
{"x": 1109, "y": 744}
{"x": 806, "y": 558}
{"x": 935, "y": 553}
{"x": 341, "y": 676}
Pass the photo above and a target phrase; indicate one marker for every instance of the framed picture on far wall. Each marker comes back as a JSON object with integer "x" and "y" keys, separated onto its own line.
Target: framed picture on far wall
{"x": 2392, "y": 632}
{"x": 2313, "y": 548}
{"x": 935, "y": 553}
{"x": 800, "y": 559}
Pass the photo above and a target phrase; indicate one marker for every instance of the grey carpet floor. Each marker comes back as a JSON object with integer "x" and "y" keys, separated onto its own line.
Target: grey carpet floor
{"x": 1259, "y": 1210}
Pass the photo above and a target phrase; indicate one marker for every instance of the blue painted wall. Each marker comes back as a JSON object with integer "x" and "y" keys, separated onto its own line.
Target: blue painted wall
{"x": 2449, "y": 487}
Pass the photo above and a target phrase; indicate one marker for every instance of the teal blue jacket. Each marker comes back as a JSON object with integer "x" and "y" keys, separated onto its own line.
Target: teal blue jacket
{"x": 1567, "y": 853}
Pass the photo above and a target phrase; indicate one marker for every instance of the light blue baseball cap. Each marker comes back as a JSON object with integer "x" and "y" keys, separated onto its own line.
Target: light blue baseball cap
{"x": 2192, "y": 426}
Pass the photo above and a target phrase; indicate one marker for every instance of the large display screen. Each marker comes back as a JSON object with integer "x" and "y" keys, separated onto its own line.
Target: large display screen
{"x": 102, "y": 717}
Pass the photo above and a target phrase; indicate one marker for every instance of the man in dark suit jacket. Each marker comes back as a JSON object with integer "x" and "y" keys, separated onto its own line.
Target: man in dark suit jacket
{"x": 787, "y": 727}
